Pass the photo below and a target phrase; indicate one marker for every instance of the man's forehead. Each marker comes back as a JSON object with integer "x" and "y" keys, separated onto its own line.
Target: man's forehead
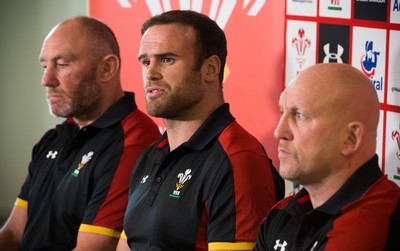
{"x": 169, "y": 31}
{"x": 296, "y": 94}
{"x": 282, "y": 98}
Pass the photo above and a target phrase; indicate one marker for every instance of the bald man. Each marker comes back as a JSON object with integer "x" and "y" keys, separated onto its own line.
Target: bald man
{"x": 76, "y": 190}
{"x": 327, "y": 139}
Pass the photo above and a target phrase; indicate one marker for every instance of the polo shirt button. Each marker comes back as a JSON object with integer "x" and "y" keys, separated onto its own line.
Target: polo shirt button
{"x": 159, "y": 179}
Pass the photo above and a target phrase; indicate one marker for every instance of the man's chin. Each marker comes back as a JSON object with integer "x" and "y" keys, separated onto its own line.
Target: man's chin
{"x": 287, "y": 172}
{"x": 58, "y": 114}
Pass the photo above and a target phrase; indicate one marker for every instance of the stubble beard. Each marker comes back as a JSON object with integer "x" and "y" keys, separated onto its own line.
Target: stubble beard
{"x": 81, "y": 101}
{"x": 174, "y": 105}
{"x": 167, "y": 107}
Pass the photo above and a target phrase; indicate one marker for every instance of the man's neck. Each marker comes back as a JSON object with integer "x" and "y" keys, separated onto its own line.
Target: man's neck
{"x": 180, "y": 131}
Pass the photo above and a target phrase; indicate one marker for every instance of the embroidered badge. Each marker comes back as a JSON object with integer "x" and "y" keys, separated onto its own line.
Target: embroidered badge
{"x": 52, "y": 154}
{"x": 85, "y": 159}
{"x": 182, "y": 178}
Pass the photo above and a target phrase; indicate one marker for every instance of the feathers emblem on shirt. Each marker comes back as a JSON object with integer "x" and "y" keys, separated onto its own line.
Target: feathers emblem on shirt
{"x": 182, "y": 179}
{"x": 85, "y": 159}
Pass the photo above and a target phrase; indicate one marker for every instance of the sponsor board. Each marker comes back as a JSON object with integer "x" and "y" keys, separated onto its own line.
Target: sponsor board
{"x": 393, "y": 92}
{"x": 370, "y": 10}
{"x": 392, "y": 160}
{"x": 335, "y": 8}
{"x": 368, "y": 54}
{"x": 365, "y": 34}
{"x": 300, "y": 47}
{"x": 334, "y": 41}
{"x": 302, "y": 7}
{"x": 395, "y": 11}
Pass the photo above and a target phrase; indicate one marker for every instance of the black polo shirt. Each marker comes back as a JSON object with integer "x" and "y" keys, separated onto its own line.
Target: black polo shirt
{"x": 211, "y": 192}
{"x": 78, "y": 179}
{"x": 364, "y": 214}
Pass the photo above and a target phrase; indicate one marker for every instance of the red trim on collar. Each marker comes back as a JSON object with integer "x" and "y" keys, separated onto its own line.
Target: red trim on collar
{"x": 162, "y": 143}
{"x": 303, "y": 199}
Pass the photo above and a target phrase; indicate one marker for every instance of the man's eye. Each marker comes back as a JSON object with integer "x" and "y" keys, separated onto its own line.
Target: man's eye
{"x": 167, "y": 60}
{"x": 299, "y": 115}
{"x": 145, "y": 62}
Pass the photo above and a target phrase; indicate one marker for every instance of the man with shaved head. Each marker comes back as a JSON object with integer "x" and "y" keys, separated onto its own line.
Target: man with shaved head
{"x": 76, "y": 190}
{"x": 327, "y": 143}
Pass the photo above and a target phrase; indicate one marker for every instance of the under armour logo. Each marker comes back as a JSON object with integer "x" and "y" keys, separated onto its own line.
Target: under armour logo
{"x": 52, "y": 154}
{"x": 144, "y": 179}
{"x": 333, "y": 56}
{"x": 279, "y": 245}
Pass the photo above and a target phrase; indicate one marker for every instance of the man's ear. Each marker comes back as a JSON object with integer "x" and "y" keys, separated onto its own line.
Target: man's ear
{"x": 211, "y": 68}
{"x": 355, "y": 132}
{"x": 108, "y": 67}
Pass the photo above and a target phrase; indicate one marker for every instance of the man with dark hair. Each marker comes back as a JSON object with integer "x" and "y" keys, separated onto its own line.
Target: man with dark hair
{"x": 76, "y": 191}
{"x": 206, "y": 184}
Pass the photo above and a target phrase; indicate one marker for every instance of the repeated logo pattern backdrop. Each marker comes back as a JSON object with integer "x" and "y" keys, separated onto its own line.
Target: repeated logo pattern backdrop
{"x": 363, "y": 33}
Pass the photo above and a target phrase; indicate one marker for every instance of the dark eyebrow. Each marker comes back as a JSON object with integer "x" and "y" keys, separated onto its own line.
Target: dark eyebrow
{"x": 160, "y": 55}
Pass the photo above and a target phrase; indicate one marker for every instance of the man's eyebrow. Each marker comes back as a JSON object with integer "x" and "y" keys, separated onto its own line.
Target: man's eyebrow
{"x": 55, "y": 58}
{"x": 141, "y": 56}
{"x": 159, "y": 55}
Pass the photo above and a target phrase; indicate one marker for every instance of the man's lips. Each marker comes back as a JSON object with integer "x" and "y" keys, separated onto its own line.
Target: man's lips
{"x": 154, "y": 91}
{"x": 283, "y": 152}
{"x": 54, "y": 97}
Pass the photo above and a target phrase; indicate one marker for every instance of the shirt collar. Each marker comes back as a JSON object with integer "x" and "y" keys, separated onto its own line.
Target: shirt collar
{"x": 117, "y": 111}
{"x": 352, "y": 189}
{"x": 212, "y": 127}
{"x": 355, "y": 186}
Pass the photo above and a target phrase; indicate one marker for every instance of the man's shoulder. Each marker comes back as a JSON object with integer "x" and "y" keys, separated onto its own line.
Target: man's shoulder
{"x": 382, "y": 198}
{"x": 235, "y": 138}
{"x": 137, "y": 116}
{"x": 138, "y": 125}
{"x": 283, "y": 203}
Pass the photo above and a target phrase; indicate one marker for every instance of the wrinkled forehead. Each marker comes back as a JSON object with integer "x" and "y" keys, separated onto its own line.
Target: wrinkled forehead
{"x": 67, "y": 35}
{"x": 301, "y": 93}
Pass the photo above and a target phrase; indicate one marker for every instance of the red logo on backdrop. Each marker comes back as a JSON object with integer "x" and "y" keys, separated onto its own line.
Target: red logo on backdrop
{"x": 226, "y": 7}
{"x": 301, "y": 44}
{"x": 253, "y": 53}
{"x": 396, "y": 138}
{"x": 335, "y": 2}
